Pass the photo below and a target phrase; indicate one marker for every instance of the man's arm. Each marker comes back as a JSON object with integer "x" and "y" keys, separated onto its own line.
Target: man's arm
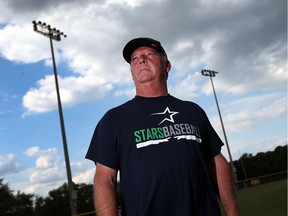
{"x": 105, "y": 198}
{"x": 221, "y": 174}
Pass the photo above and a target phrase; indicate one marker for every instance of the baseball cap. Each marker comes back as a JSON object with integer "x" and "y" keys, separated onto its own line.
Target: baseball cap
{"x": 135, "y": 43}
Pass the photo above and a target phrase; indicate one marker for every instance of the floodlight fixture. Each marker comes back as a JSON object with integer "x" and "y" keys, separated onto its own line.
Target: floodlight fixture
{"x": 46, "y": 30}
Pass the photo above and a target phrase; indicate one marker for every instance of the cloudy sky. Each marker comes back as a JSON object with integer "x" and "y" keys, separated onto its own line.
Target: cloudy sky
{"x": 245, "y": 41}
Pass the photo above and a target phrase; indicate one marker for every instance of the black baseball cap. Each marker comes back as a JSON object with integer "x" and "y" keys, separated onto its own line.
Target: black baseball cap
{"x": 135, "y": 43}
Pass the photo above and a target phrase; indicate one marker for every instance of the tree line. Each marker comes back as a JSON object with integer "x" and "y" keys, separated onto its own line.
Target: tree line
{"x": 57, "y": 201}
{"x": 55, "y": 204}
{"x": 262, "y": 164}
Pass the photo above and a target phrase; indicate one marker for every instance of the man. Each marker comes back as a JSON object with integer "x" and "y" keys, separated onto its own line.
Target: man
{"x": 166, "y": 150}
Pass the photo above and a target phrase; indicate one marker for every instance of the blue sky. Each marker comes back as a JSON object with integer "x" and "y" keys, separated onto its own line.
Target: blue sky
{"x": 245, "y": 41}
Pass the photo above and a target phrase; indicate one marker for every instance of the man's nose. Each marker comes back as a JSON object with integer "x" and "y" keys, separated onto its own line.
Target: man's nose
{"x": 142, "y": 59}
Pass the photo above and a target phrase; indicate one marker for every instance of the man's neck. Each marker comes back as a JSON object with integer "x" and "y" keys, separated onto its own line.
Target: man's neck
{"x": 150, "y": 90}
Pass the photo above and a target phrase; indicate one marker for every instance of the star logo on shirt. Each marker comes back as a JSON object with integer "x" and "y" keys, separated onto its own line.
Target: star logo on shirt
{"x": 167, "y": 113}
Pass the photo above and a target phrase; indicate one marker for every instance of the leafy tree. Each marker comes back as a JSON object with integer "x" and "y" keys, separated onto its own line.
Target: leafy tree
{"x": 23, "y": 204}
{"x": 262, "y": 163}
{"x": 85, "y": 201}
{"x": 10, "y": 205}
{"x": 40, "y": 207}
{"x": 6, "y": 199}
{"x": 57, "y": 203}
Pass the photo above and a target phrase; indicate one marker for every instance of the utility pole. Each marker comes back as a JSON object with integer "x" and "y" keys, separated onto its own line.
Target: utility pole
{"x": 54, "y": 34}
{"x": 211, "y": 74}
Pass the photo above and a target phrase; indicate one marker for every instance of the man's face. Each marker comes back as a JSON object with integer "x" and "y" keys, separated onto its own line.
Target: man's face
{"x": 148, "y": 65}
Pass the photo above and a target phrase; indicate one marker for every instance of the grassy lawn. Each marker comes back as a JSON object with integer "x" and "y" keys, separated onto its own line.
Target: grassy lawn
{"x": 266, "y": 200}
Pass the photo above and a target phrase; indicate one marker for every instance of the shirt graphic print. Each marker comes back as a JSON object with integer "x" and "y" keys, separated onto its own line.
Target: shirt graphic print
{"x": 157, "y": 135}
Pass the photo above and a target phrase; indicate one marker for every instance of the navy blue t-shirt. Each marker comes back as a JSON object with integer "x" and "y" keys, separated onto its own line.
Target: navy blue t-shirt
{"x": 161, "y": 146}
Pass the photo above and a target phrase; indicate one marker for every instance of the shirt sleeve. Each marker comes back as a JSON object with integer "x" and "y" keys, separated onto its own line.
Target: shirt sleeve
{"x": 214, "y": 143}
{"x": 103, "y": 146}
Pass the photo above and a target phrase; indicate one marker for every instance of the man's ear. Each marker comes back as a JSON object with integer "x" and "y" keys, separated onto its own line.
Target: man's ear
{"x": 168, "y": 66}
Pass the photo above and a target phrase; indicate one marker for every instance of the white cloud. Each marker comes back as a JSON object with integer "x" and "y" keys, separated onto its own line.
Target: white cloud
{"x": 49, "y": 171}
{"x": 9, "y": 165}
{"x": 247, "y": 145}
{"x": 185, "y": 88}
{"x": 126, "y": 92}
{"x": 227, "y": 42}
{"x": 32, "y": 151}
{"x": 72, "y": 90}
{"x": 48, "y": 166}
{"x": 246, "y": 113}
{"x": 16, "y": 44}
{"x": 83, "y": 173}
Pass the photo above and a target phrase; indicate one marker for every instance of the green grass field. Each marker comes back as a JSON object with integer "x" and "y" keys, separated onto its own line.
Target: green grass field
{"x": 266, "y": 200}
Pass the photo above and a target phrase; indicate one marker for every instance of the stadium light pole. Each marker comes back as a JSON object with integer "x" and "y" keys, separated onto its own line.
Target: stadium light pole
{"x": 211, "y": 74}
{"x": 54, "y": 34}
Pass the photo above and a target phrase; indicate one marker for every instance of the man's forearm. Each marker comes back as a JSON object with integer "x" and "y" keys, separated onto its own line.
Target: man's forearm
{"x": 226, "y": 186}
{"x": 105, "y": 196}
{"x": 105, "y": 200}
